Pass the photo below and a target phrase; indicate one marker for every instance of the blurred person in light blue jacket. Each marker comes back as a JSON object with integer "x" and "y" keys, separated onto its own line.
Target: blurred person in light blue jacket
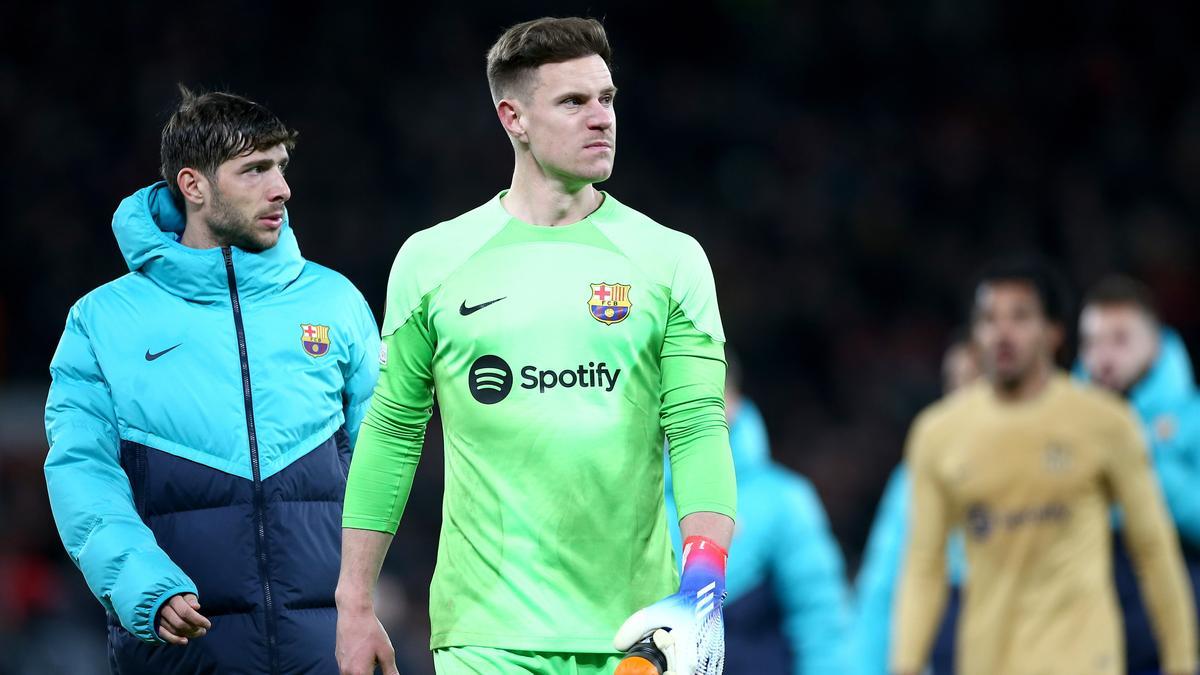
{"x": 876, "y": 583}
{"x": 788, "y": 605}
{"x": 1124, "y": 348}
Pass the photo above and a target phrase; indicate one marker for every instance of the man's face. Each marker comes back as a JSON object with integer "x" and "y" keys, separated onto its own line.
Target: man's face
{"x": 570, "y": 121}
{"x": 1119, "y": 344}
{"x": 1012, "y": 332}
{"x": 960, "y": 367}
{"x": 246, "y": 206}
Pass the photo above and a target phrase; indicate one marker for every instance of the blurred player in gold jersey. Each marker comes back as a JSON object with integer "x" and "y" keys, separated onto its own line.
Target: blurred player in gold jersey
{"x": 1030, "y": 463}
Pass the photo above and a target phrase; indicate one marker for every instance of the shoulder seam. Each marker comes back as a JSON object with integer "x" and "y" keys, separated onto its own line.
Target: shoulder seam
{"x": 682, "y": 240}
{"x": 417, "y": 240}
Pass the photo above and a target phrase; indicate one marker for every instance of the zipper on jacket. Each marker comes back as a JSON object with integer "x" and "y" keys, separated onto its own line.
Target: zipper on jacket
{"x": 260, "y": 507}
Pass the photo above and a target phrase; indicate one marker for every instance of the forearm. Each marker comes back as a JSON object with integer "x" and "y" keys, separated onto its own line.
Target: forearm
{"x": 381, "y": 475}
{"x": 1179, "y": 480}
{"x": 362, "y": 557}
{"x": 1154, "y": 549}
{"x": 693, "y": 416}
{"x": 693, "y": 613}
{"x": 1165, "y": 587}
{"x": 91, "y": 497}
{"x": 921, "y": 602}
{"x": 392, "y": 433}
{"x": 715, "y": 526}
{"x": 703, "y": 476}
{"x": 923, "y": 585}
{"x": 121, "y": 562}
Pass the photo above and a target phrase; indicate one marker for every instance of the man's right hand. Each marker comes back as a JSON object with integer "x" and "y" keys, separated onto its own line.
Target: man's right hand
{"x": 361, "y": 643}
{"x": 179, "y": 619}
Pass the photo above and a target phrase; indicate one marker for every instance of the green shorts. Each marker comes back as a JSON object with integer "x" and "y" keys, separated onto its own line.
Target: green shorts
{"x": 492, "y": 661}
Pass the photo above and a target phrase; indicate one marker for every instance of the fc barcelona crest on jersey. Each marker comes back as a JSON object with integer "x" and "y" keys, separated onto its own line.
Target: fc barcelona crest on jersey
{"x": 610, "y": 303}
{"x": 315, "y": 339}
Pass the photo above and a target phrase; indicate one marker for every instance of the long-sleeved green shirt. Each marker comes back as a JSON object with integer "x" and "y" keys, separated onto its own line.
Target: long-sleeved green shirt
{"x": 559, "y": 356}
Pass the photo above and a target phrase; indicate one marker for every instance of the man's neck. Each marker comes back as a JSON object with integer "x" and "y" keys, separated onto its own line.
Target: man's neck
{"x": 1127, "y": 392}
{"x": 540, "y": 199}
{"x": 1028, "y": 387}
{"x": 196, "y": 234}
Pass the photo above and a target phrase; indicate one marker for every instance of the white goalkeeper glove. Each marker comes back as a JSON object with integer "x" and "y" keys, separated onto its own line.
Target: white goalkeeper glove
{"x": 686, "y": 627}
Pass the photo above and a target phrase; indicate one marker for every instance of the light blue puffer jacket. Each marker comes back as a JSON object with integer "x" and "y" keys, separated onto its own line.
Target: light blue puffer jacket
{"x": 198, "y": 441}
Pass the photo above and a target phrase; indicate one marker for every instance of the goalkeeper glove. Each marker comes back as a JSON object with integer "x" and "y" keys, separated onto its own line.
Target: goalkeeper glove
{"x": 687, "y": 627}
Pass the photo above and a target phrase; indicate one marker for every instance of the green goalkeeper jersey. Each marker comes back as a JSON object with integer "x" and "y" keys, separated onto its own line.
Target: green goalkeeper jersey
{"x": 559, "y": 357}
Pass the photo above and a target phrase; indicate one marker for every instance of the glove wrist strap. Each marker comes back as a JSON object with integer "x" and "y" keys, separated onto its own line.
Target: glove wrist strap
{"x": 704, "y": 556}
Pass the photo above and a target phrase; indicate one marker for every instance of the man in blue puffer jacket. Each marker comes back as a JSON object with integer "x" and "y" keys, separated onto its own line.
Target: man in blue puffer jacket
{"x": 202, "y": 410}
{"x": 1125, "y": 349}
{"x": 788, "y": 606}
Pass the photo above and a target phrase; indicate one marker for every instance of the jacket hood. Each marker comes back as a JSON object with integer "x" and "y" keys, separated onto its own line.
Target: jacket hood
{"x": 148, "y": 226}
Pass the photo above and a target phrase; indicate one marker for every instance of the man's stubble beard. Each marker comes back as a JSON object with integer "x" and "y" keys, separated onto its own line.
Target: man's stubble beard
{"x": 1126, "y": 390}
{"x": 1010, "y": 380}
{"x": 230, "y": 228}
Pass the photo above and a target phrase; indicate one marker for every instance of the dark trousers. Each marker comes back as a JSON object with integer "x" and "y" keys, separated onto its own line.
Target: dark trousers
{"x": 941, "y": 660}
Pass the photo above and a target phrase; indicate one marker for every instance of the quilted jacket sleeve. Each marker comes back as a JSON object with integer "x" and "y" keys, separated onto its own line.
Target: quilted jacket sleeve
{"x": 90, "y": 493}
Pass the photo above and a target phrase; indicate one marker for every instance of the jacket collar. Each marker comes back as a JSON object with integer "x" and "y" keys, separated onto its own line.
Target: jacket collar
{"x": 148, "y": 226}
{"x": 1170, "y": 380}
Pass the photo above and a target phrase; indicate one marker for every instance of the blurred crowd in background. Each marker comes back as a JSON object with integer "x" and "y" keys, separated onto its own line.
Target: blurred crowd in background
{"x": 846, "y": 165}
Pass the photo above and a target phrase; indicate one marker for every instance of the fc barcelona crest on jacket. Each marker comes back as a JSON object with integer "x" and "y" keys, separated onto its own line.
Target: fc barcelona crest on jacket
{"x": 610, "y": 303}
{"x": 315, "y": 339}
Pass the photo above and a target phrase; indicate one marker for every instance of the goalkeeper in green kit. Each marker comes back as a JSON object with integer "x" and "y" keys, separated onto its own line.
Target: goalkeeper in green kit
{"x": 563, "y": 333}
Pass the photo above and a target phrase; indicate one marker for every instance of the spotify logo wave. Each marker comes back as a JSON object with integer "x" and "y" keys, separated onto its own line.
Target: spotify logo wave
{"x": 490, "y": 379}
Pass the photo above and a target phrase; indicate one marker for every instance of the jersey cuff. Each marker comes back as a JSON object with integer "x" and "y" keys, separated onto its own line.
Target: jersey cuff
{"x": 707, "y": 507}
{"x": 366, "y": 523}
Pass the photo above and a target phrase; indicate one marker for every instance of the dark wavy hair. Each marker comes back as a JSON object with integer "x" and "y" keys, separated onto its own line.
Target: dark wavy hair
{"x": 209, "y": 129}
{"x": 1049, "y": 284}
{"x": 1121, "y": 290}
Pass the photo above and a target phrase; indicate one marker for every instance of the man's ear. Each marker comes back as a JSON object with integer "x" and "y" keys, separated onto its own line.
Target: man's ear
{"x": 512, "y": 118}
{"x": 193, "y": 185}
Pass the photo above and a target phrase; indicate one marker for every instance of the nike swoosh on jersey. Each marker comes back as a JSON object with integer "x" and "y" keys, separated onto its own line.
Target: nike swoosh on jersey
{"x": 151, "y": 357}
{"x": 464, "y": 310}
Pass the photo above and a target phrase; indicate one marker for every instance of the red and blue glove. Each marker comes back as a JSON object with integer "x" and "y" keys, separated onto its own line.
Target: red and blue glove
{"x": 687, "y": 627}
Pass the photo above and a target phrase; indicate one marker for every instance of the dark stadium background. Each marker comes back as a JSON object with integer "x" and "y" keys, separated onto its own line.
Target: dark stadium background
{"x": 847, "y": 165}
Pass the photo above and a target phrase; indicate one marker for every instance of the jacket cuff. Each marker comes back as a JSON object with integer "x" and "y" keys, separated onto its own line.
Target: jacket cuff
{"x": 150, "y": 633}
